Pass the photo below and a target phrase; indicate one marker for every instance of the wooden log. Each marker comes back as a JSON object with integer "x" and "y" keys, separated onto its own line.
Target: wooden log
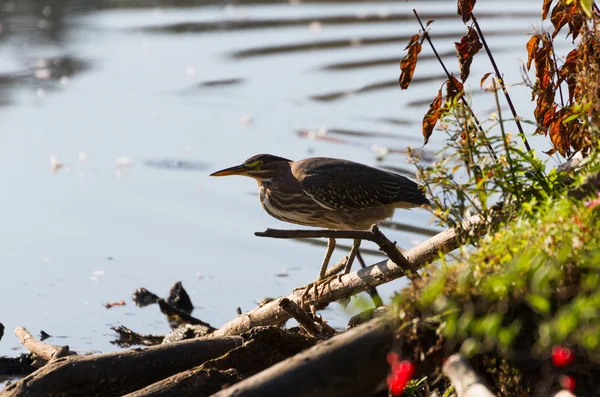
{"x": 114, "y": 374}
{"x": 352, "y": 283}
{"x": 263, "y": 347}
{"x": 465, "y": 380}
{"x": 349, "y": 364}
{"x": 44, "y": 350}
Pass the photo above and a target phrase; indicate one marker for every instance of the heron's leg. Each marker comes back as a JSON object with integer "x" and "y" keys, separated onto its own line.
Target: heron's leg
{"x": 353, "y": 253}
{"x": 330, "y": 248}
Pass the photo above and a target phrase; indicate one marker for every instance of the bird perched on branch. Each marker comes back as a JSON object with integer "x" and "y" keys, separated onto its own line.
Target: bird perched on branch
{"x": 328, "y": 193}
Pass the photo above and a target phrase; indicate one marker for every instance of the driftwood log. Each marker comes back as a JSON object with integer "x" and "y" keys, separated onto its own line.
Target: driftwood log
{"x": 114, "y": 374}
{"x": 263, "y": 347}
{"x": 349, "y": 364}
{"x": 465, "y": 380}
{"x": 44, "y": 350}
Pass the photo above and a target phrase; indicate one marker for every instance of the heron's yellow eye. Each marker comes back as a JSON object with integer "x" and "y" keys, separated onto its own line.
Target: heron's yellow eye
{"x": 256, "y": 164}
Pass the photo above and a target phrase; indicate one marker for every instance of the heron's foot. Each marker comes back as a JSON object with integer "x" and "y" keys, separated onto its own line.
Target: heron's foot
{"x": 305, "y": 292}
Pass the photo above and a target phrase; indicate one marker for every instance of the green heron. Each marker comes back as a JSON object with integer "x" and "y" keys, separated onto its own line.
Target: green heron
{"x": 328, "y": 193}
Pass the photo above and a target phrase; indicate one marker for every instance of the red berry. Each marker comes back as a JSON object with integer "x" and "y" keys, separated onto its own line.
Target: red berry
{"x": 561, "y": 356}
{"x": 567, "y": 382}
{"x": 402, "y": 372}
{"x": 392, "y": 358}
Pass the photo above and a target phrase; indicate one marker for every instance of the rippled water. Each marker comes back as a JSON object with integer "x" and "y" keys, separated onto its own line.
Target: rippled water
{"x": 139, "y": 105}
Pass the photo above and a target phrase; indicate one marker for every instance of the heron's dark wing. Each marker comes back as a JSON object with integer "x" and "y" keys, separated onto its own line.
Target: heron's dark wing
{"x": 343, "y": 185}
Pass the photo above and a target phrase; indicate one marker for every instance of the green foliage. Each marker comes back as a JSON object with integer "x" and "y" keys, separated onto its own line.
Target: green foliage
{"x": 534, "y": 284}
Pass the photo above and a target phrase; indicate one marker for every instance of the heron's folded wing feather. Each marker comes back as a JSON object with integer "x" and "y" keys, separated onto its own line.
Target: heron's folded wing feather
{"x": 344, "y": 187}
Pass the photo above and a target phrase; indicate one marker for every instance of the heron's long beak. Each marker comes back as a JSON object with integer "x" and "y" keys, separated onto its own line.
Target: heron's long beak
{"x": 235, "y": 170}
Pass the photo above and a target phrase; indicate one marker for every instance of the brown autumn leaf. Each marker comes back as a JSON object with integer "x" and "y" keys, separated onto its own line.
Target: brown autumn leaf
{"x": 544, "y": 105}
{"x": 559, "y": 132}
{"x": 568, "y": 73}
{"x": 546, "y": 8}
{"x": 483, "y": 79}
{"x": 575, "y": 24}
{"x": 465, "y": 9}
{"x": 548, "y": 117}
{"x": 561, "y": 14}
{"x": 452, "y": 90}
{"x": 408, "y": 64}
{"x": 429, "y": 22}
{"x": 468, "y": 46}
{"x": 412, "y": 41}
{"x": 532, "y": 47}
{"x": 544, "y": 65}
{"x": 433, "y": 114}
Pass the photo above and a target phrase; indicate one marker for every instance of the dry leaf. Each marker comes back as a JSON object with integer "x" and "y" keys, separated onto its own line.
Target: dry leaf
{"x": 465, "y": 9}
{"x": 452, "y": 90}
{"x": 546, "y": 8}
{"x": 483, "y": 79}
{"x": 532, "y": 47}
{"x": 468, "y": 46}
{"x": 408, "y": 64}
{"x": 433, "y": 114}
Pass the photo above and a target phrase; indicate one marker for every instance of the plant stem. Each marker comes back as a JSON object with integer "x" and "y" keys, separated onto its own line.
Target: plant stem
{"x": 501, "y": 81}
{"x": 504, "y": 138}
{"x": 562, "y": 102}
{"x": 462, "y": 97}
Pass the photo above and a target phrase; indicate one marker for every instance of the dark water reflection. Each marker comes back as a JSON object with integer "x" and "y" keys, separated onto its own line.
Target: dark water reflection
{"x": 134, "y": 102}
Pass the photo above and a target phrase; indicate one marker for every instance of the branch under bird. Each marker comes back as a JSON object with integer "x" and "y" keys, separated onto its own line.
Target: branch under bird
{"x": 328, "y": 193}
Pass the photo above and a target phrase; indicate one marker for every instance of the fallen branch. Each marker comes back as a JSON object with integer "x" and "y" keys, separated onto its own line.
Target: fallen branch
{"x": 117, "y": 373}
{"x": 349, "y": 364}
{"x": 44, "y": 350}
{"x": 374, "y": 235}
{"x": 353, "y": 283}
{"x": 465, "y": 380}
{"x": 300, "y": 316}
{"x": 262, "y": 348}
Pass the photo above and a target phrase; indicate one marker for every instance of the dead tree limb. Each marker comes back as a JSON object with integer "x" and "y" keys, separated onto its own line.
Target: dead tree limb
{"x": 353, "y": 283}
{"x": 465, "y": 380}
{"x": 262, "y": 348}
{"x": 114, "y": 374}
{"x": 349, "y": 364}
{"x": 44, "y": 350}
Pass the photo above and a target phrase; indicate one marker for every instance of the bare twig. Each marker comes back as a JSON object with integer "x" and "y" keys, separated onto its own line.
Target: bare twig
{"x": 373, "y": 235}
{"x": 501, "y": 81}
{"x": 353, "y": 283}
{"x": 465, "y": 380}
{"x": 462, "y": 97}
{"x": 44, "y": 350}
{"x": 299, "y": 315}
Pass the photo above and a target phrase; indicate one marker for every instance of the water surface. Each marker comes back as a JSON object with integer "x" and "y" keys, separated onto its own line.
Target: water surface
{"x": 137, "y": 105}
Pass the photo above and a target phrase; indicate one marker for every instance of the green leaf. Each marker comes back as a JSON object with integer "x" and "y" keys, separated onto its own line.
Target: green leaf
{"x": 586, "y": 6}
{"x": 538, "y": 303}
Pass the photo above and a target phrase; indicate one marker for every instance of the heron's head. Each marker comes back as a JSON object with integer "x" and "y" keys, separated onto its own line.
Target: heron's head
{"x": 260, "y": 167}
